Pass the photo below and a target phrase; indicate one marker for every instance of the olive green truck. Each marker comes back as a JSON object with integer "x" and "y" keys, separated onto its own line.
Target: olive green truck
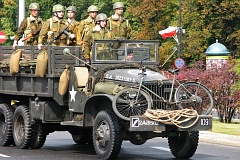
{"x": 103, "y": 103}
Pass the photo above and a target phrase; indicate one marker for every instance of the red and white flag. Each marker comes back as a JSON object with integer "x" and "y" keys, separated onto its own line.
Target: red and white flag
{"x": 169, "y": 32}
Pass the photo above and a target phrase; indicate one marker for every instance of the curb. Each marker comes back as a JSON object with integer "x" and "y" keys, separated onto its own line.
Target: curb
{"x": 217, "y": 138}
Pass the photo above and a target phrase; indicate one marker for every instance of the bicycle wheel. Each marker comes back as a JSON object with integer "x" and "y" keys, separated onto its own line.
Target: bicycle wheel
{"x": 194, "y": 95}
{"x": 126, "y": 104}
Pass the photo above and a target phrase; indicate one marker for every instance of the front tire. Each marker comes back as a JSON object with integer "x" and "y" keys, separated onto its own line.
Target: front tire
{"x": 6, "y": 116}
{"x": 107, "y": 135}
{"x": 184, "y": 145}
{"x": 22, "y": 130}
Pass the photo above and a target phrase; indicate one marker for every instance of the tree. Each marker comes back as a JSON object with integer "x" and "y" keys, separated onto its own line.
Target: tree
{"x": 221, "y": 81}
{"x": 8, "y": 17}
{"x": 207, "y": 21}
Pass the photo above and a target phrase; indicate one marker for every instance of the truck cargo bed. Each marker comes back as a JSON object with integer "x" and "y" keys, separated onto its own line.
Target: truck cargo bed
{"x": 25, "y": 82}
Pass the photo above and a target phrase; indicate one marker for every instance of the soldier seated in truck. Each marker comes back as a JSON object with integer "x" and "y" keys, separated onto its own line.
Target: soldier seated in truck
{"x": 129, "y": 55}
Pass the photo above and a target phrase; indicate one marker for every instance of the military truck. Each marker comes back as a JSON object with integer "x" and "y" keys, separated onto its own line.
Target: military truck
{"x": 103, "y": 103}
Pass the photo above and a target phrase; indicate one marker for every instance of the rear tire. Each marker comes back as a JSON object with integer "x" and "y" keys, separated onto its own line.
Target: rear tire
{"x": 22, "y": 131}
{"x": 83, "y": 138}
{"x": 184, "y": 145}
{"x": 137, "y": 138}
{"x": 107, "y": 135}
{"x": 194, "y": 96}
{"x": 38, "y": 136}
{"x": 6, "y": 117}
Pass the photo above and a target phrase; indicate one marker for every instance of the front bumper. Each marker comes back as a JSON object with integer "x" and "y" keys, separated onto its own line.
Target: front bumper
{"x": 143, "y": 123}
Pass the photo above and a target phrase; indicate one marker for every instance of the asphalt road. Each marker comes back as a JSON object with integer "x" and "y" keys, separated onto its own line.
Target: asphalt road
{"x": 60, "y": 146}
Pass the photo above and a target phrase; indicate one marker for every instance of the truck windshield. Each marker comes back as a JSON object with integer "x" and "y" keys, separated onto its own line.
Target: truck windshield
{"x": 126, "y": 51}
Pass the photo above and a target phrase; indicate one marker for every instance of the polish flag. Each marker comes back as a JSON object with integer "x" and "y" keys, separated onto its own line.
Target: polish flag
{"x": 169, "y": 32}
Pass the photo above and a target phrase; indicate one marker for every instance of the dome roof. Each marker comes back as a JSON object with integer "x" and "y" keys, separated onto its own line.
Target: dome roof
{"x": 217, "y": 49}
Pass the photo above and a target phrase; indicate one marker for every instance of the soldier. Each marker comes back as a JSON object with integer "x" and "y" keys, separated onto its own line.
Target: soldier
{"x": 72, "y": 25}
{"x": 54, "y": 28}
{"x": 30, "y": 27}
{"x": 129, "y": 55}
{"x": 98, "y": 32}
{"x": 87, "y": 24}
{"x": 118, "y": 24}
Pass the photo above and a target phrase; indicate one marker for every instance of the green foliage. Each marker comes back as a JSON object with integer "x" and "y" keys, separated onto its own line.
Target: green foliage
{"x": 236, "y": 86}
{"x": 8, "y": 18}
{"x": 207, "y": 21}
{"x": 204, "y": 21}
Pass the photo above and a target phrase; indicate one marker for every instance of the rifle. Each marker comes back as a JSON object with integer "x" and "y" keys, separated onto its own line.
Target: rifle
{"x": 83, "y": 34}
{"x": 35, "y": 33}
{"x": 59, "y": 34}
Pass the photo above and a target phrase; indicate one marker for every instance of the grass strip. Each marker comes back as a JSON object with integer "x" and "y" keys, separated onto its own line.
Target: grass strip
{"x": 226, "y": 128}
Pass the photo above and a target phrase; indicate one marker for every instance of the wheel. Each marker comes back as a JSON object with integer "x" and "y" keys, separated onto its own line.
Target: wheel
{"x": 38, "y": 136}
{"x": 138, "y": 141}
{"x": 6, "y": 116}
{"x": 126, "y": 103}
{"x": 22, "y": 128}
{"x": 107, "y": 135}
{"x": 84, "y": 138}
{"x": 184, "y": 145}
{"x": 137, "y": 138}
{"x": 196, "y": 96}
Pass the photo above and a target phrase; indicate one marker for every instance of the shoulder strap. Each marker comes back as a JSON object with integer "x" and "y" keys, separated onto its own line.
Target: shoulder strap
{"x": 28, "y": 22}
{"x": 109, "y": 34}
{"x": 110, "y": 24}
{"x": 127, "y": 23}
{"x": 50, "y": 23}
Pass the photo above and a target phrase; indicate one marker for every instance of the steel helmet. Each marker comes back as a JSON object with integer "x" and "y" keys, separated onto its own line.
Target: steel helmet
{"x": 34, "y": 6}
{"x": 101, "y": 17}
{"x": 72, "y": 8}
{"x": 92, "y": 8}
{"x": 118, "y": 5}
{"x": 57, "y": 8}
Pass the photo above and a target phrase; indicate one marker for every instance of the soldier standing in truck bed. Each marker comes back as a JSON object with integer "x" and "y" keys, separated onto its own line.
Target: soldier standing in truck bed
{"x": 98, "y": 32}
{"x": 30, "y": 27}
{"x": 53, "y": 28}
{"x": 87, "y": 24}
{"x": 118, "y": 24}
{"x": 72, "y": 25}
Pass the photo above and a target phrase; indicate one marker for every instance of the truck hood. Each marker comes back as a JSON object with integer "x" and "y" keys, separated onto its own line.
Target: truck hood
{"x": 132, "y": 75}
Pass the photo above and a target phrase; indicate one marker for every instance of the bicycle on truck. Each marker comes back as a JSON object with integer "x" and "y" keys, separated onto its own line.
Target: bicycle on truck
{"x": 135, "y": 100}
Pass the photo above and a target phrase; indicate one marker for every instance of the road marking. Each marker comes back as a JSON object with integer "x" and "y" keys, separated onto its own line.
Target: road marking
{"x": 3, "y": 155}
{"x": 162, "y": 148}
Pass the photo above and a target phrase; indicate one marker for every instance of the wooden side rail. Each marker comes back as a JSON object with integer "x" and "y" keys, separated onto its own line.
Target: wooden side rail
{"x": 57, "y": 61}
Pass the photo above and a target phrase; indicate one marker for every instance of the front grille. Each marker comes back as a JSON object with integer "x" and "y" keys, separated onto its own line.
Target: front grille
{"x": 162, "y": 90}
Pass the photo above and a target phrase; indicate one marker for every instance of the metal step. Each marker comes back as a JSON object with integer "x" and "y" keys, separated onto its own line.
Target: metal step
{"x": 72, "y": 123}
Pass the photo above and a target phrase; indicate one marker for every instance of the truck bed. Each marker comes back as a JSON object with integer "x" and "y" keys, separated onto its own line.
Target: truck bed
{"x": 26, "y": 83}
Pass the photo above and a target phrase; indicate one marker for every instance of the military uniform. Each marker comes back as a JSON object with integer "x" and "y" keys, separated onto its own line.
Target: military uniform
{"x": 118, "y": 24}
{"x": 50, "y": 29}
{"x": 84, "y": 27}
{"x": 119, "y": 27}
{"x": 30, "y": 27}
{"x": 96, "y": 34}
{"x": 72, "y": 29}
{"x": 72, "y": 26}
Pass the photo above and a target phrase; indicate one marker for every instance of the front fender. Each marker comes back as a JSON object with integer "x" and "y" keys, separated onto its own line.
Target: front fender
{"x": 95, "y": 104}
